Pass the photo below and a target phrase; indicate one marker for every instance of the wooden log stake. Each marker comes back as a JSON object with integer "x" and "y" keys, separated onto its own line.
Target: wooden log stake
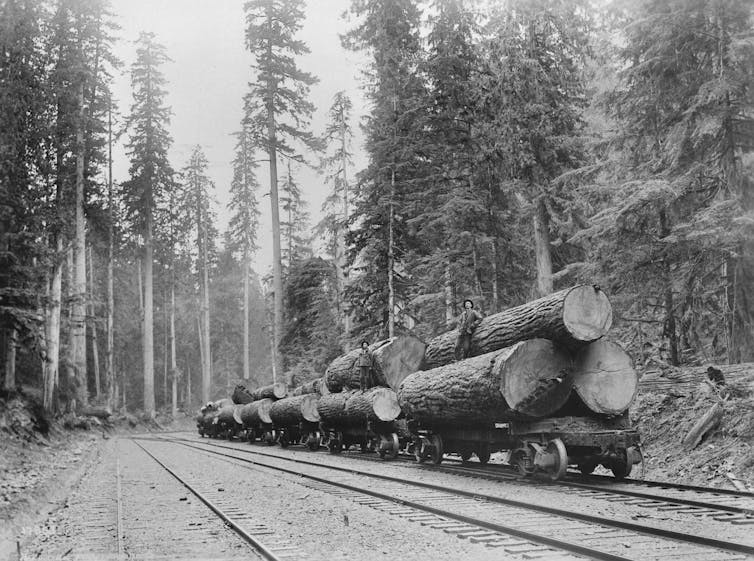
{"x": 572, "y": 317}
{"x": 604, "y": 377}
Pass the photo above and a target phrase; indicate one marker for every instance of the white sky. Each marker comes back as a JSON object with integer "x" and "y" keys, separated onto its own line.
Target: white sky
{"x": 209, "y": 75}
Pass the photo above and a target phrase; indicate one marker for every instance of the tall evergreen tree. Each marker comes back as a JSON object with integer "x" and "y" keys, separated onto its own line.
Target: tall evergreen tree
{"x": 294, "y": 222}
{"x": 278, "y": 109}
{"x": 151, "y": 175}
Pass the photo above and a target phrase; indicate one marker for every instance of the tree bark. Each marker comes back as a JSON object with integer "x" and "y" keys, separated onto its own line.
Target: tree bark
{"x": 256, "y": 412}
{"x": 355, "y": 408}
{"x": 572, "y": 317}
{"x": 513, "y": 383}
{"x": 391, "y": 260}
{"x": 10, "y": 360}
{"x": 93, "y": 328}
{"x": 78, "y": 290}
{"x": 542, "y": 247}
{"x": 294, "y": 410}
{"x": 394, "y": 359}
{"x": 109, "y": 352}
{"x": 604, "y": 377}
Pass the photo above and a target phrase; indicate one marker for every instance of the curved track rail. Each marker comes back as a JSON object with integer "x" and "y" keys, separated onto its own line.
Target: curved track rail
{"x": 554, "y": 519}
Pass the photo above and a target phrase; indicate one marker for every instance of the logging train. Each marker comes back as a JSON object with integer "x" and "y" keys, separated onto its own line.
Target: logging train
{"x": 541, "y": 383}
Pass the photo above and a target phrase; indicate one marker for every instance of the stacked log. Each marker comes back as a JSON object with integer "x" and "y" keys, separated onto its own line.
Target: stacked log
{"x": 272, "y": 391}
{"x": 356, "y": 407}
{"x": 571, "y": 317}
{"x": 604, "y": 377}
{"x": 255, "y": 413}
{"x": 241, "y": 395}
{"x": 310, "y": 387}
{"x": 394, "y": 359}
{"x": 496, "y": 386}
{"x": 291, "y": 411}
{"x": 225, "y": 416}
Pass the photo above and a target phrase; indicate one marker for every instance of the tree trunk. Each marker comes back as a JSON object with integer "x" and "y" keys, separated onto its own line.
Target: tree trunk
{"x": 391, "y": 260}
{"x": 310, "y": 387}
{"x": 291, "y": 411}
{"x": 93, "y": 328}
{"x": 78, "y": 290}
{"x": 572, "y": 317}
{"x": 273, "y": 391}
{"x": 394, "y": 359}
{"x": 531, "y": 378}
{"x": 173, "y": 358}
{"x": 188, "y": 387}
{"x": 341, "y": 261}
{"x": 355, "y": 408}
{"x": 109, "y": 366}
{"x": 10, "y": 360}
{"x": 207, "y": 365}
{"x": 495, "y": 275}
{"x": 148, "y": 331}
{"x": 246, "y": 267}
{"x": 448, "y": 293}
{"x": 256, "y": 412}
{"x": 542, "y": 247}
{"x": 604, "y": 377}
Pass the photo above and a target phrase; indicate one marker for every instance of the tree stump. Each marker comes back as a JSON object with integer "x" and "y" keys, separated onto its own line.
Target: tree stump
{"x": 604, "y": 377}
{"x": 572, "y": 317}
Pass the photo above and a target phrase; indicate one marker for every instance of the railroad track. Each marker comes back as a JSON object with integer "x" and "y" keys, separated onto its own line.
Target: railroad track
{"x": 475, "y": 515}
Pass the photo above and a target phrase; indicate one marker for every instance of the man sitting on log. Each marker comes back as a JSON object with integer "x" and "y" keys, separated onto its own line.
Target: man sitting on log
{"x": 467, "y": 324}
{"x": 365, "y": 362}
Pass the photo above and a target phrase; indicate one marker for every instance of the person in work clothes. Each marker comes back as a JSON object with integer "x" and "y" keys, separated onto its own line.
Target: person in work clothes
{"x": 365, "y": 362}
{"x": 467, "y": 324}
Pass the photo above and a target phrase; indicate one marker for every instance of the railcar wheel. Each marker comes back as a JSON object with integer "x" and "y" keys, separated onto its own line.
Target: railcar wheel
{"x": 335, "y": 445}
{"x": 483, "y": 454}
{"x": 559, "y": 454}
{"x": 389, "y": 446}
{"x": 620, "y": 466}
{"x": 420, "y": 450}
{"x": 270, "y": 437}
{"x": 466, "y": 455}
{"x": 284, "y": 441}
{"x": 436, "y": 448}
{"x": 313, "y": 442}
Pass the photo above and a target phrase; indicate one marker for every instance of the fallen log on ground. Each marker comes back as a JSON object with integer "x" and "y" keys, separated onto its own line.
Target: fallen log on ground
{"x": 273, "y": 391}
{"x": 355, "y": 408}
{"x": 312, "y": 386}
{"x": 530, "y": 379}
{"x": 572, "y": 317}
{"x": 604, "y": 377}
{"x": 394, "y": 359}
{"x": 103, "y": 413}
{"x": 256, "y": 413}
{"x": 703, "y": 426}
{"x": 291, "y": 411}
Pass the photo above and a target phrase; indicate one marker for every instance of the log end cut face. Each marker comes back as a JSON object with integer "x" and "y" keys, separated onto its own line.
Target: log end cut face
{"x": 279, "y": 390}
{"x": 587, "y": 313}
{"x": 397, "y": 358}
{"x": 385, "y": 404}
{"x": 309, "y": 407}
{"x": 605, "y": 378}
{"x": 535, "y": 377}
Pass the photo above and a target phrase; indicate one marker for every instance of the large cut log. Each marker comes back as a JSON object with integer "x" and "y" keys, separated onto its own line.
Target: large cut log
{"x": 355, "y": 408}
{"x": 604, "y": 377}
{"x": 572, "y": 317}
{"x": 290, "y": 411}
{"x": 241, "y": 395}
{"x": 310, "y": 387}
{"x": 225, "y": 416}
{"x": 394, "y": 359}
{"x": 528, "y": 380}
{"x": 273, "y": 391}
{"x": 256, "y": 413}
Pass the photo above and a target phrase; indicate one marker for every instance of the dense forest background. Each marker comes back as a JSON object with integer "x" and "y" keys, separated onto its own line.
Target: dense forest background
{"x": 514, "y": 147}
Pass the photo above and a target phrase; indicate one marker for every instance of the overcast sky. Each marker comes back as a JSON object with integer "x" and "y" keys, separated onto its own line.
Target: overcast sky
{"x": 209, "y": 75}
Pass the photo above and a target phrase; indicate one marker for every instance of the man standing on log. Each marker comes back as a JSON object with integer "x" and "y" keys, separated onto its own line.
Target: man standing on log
{"x": 467, "y": 324}
{"x": 365, "y": 362}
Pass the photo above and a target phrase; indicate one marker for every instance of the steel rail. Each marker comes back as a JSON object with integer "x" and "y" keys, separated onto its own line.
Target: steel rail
{"x": 630, "y": 526}
{"x": 256, "y": 544}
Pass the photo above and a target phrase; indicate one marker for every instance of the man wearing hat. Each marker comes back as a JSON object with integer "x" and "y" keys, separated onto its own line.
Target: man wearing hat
{"x": 467, "y": 324}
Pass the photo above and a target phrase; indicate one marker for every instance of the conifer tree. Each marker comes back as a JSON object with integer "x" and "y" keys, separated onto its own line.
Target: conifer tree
{"x": 151, "y": 175}
{"x": 278, "y": 109}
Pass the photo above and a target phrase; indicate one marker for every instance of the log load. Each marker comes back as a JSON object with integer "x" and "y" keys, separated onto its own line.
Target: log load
{"x": 604, "y": 377}
{"x": 572, "y": 317}
{"x": 256, "y": 413}
{"x": 529, "y": 379}
{"x": 225, "y": 416}
{"x": 290, "y": 411}
{"x": 394, "y": 359}
{"x": 310, "y": 387}
{"x": 273, "y": 391}
{"x": 241, "y": 395}
{"x": 355, "y": 408}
